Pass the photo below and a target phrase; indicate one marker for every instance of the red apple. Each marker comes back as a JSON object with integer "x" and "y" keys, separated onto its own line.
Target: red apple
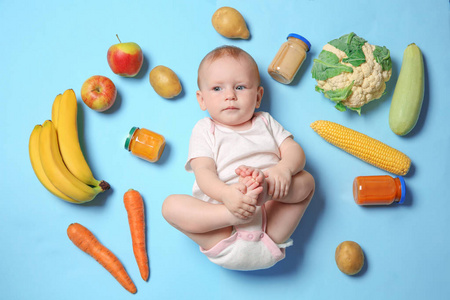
{"x": 125, "y": 59}
{"x": 98, "y": 92}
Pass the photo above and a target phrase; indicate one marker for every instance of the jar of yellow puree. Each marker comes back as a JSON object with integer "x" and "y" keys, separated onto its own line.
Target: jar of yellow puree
{"x": 145, "y": 144}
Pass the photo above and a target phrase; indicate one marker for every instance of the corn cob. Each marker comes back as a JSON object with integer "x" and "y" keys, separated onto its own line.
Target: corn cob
{"x": 364, "y": 147}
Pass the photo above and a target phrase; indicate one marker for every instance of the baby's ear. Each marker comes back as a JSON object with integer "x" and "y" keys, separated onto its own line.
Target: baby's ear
{"x": 200, "y": 100}
{"x": 259, "y": 96}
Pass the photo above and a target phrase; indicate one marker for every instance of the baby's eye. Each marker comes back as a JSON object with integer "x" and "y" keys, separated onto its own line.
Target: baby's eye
{"x": 216, "y": 88}
{"x": 240, "y": 87}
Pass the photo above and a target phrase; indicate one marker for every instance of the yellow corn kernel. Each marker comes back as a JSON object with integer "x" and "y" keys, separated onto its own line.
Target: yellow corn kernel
{"x": 364, "y": 147}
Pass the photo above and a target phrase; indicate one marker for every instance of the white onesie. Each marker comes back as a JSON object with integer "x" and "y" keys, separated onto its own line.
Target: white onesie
{"x": 257, "y": 147}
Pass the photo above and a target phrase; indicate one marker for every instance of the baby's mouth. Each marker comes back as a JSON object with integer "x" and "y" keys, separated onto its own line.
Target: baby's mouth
{"x": 231, "y": 108}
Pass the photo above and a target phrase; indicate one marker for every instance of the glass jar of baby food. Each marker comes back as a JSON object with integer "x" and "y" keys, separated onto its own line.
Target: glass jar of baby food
{"x": 289, "y": 58}
{"x": 145, "y": 144}
{"x": 379, "y": 190}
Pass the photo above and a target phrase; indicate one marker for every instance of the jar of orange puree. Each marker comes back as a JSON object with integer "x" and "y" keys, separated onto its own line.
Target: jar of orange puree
{"x": 379, "y": 190}
{"x": 145, "y": 144}
{"x": 289, "y": 58}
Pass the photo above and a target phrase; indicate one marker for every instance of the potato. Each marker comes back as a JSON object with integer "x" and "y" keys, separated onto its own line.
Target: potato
{"x": 165, "y": 82}
{"x": 230, "y": 23}
{"x": 349, "y": 257}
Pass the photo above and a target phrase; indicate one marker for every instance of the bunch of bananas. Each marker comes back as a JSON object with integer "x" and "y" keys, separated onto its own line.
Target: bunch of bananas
{"x": 56, "y": 155}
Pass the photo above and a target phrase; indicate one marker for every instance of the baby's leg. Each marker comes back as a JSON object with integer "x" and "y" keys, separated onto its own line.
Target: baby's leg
{"x": 203, "y": 222}
{"x": 256, "y": 183}
{"x": 283, "y": 216}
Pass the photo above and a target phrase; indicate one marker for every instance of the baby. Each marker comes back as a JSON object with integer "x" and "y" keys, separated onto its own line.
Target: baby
{"x": 250, "y": 189}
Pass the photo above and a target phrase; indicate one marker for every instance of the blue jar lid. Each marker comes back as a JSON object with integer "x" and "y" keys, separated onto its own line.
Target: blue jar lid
{"x": 298, "y": 36}
{"x": 403, "y": 188}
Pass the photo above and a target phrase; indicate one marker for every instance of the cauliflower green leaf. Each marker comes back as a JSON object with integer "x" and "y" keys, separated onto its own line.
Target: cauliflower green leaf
{"x": 338, "y": 95}
{"x": 327, "y": 65}
{"x": 383, "y": 57}
{"x": 351, "y": 44}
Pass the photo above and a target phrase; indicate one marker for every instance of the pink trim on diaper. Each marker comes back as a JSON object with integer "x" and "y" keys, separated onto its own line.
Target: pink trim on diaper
{"x": 264, "y": 218}
{"x": 273, "y": 248}
{"x": 254, "y": 236}
{"x": 220, "y": 246}
{"x": 251, "y": 236}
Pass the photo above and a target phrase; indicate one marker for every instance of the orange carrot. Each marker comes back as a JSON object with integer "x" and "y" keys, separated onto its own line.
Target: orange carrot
{"x": 136, "y": 218}
{"x": 86, "y": 241}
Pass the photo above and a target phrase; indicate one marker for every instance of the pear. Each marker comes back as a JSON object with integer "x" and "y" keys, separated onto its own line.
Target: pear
{"x": 230, "y": 23}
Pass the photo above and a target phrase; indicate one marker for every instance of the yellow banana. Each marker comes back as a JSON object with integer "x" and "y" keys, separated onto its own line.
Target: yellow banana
{"x": 56, "y": 170}
{"x": 33, "y": 148}
{"x": 55, "y": 110}
{"x": 69, "y": 142}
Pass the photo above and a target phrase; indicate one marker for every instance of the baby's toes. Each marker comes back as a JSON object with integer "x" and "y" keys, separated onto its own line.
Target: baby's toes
{"x": 258, "y": 176}
{"x": 242, "y": 170}
{"x": 252, "y": 185}
{"x": 254, "y": 193}
{"x": 243, "y": 179}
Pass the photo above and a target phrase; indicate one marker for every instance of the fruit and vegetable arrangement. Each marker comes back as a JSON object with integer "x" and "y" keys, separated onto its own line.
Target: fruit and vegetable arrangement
{"x": 349, "y": 71}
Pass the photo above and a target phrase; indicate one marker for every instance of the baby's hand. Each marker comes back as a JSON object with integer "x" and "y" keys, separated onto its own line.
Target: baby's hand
{"x": 279, "y": 181}
{"x": 237, "y": 202}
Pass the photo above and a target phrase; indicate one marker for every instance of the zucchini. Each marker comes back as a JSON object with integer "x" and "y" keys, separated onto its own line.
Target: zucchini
{"x": 409, "y": 92}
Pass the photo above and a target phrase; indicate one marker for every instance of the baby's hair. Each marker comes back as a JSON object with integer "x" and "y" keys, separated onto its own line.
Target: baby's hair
{"x": 227, "y": 50}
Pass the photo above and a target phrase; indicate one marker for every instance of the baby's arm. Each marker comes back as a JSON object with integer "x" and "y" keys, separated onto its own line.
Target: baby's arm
{"x": 232, "y": 196}
{"x": 279, "y": 176}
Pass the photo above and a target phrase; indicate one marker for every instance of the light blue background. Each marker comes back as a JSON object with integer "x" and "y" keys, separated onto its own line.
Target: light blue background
{"x": 50, "y": 46}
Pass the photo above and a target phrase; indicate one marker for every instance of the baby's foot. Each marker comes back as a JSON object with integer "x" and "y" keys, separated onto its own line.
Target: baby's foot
{"x": 244, "y": 171}
{"x": 256, "y": 184}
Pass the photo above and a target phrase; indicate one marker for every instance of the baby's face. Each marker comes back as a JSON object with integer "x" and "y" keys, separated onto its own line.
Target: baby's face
{"x": 229, "y": 90}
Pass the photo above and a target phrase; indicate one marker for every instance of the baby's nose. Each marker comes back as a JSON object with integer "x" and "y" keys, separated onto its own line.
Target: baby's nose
{"x": 230, "y": 95}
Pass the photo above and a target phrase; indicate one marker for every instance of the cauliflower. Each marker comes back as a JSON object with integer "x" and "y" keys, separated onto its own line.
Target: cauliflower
{"x": 351, "y": 72}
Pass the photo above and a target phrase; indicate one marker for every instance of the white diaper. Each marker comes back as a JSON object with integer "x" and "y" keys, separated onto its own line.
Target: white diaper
{"x": 248, "y": 248}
